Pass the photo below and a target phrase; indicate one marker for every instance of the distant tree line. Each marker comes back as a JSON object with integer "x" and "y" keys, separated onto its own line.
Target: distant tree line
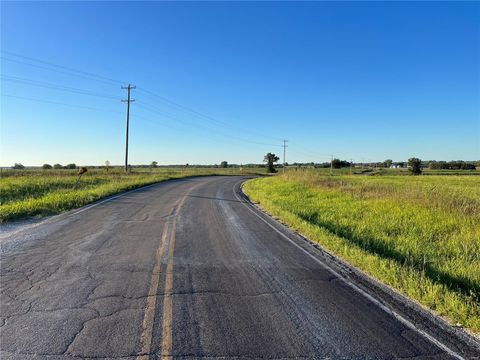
{"x": 59, "y": 166}
{"x": 336, "y": 164}
{"x": 225, "y": 164}
{"x": 451, "y": 165}
{"x": 19, "y": 166}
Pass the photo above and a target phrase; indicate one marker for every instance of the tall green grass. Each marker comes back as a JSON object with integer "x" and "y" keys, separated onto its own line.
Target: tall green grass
{"x": 35, "y": 193}
{"x": 420, "y": 235}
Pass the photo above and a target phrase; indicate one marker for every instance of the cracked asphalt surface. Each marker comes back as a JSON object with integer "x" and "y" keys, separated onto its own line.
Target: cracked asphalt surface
{"x": 184, "y": 270}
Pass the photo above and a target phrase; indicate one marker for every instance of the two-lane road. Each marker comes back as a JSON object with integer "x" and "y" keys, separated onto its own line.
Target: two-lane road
{"x": 185, "y": 269}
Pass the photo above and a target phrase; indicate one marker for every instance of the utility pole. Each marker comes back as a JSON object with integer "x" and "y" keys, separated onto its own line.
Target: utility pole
{"x": 331, "y": 164}
{"x": 128, "y": 101}
{"x": 351, "y": 164}
{"x": 284, "y": 150}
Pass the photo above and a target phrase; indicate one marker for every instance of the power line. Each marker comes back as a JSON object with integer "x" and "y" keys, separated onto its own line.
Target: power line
{"x": 46, "y": 65}
{"x": 239, "y": 140}
{"x": 46, "y": 85}
{"x": 104, "y": 78}
{"x": 284, "y": 151}
{"x": 57, "y": 71}
{"x": 204, "y": 137}
{"x": 187, "y": 125}
{"x": 87, "y": 108}
{"x": 72, "y": 71}
{"x": 85, "y": 73}
{"x": 56, "y": 103}
{"x": 154, "y": 110}
{"x": 156, "y": 122}
{"x": 314, "y": 153}
{"x": 312, "y": 156}
{"x": 200, "y": 114}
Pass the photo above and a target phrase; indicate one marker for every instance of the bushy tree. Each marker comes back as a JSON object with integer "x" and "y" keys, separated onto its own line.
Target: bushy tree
{"x": 18, "y": 166}
{"x": 415, "y": 165}
{"x": 224, "y": 164}
{"x": 71, "y": 166}
{"x": 57, "y": 166}
{"x": 271, "y": 159}
{"x": 154, "y": 164}
{"x": 46, "y": 166}
{"x": 387, "y": 163}
{"x": 337, "y": 163}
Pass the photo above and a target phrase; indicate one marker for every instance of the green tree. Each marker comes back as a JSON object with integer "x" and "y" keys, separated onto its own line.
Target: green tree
{"x": 337, "y": 163}
{"x": 154, "y": 164}
{"x": 415, "y": 165}
{"x": 387, "y": 163}
{"x": 224, "y": 164}
{"x": 18, "y": 166}
{"x": 57, "y": 166}
{"x": 46, "y": 166}
{"x": 271, "y": 159}
{"x": 71, "y": 166}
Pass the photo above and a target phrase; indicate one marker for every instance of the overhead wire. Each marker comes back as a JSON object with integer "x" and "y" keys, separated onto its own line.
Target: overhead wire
{"x": 70, "y": 69}
{"x": 156, "y": 121}
{"x": 27, "y": 60}
{"x": 200, "y": 114}
{"x": 57, "y": 103}
{"x": 154, "y": 110}
{"x": 47, "y": 85}
{"x": 311, "y": 156}
{"x": 306, "y": 150}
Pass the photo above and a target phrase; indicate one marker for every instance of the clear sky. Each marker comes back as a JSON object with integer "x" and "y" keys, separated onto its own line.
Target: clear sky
{"x": 362, "y": 81}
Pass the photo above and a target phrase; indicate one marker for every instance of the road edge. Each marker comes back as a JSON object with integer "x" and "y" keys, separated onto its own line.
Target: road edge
{"x": 436, "y": 329}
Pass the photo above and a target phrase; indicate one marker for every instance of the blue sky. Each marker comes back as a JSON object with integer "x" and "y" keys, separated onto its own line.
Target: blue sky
{"x": 362, "y": 81}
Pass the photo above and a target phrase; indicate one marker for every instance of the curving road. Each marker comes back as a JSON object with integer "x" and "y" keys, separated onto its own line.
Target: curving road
{"x": 188, "y": 269}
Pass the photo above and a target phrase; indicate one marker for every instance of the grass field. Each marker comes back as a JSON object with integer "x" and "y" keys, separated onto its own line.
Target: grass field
{"x": 418, "y": 234}
{"x": 35, "y": 193}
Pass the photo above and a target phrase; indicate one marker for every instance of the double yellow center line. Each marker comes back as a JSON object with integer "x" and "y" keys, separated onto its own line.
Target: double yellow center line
{"x": 168, "y": 233}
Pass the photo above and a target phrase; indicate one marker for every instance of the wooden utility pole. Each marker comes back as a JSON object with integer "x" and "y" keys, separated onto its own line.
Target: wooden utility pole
{"x": 284, "y": 151}
{"x": 128, "y": 101}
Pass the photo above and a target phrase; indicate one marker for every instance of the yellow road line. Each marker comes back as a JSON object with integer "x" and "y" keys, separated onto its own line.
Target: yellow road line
{"x": 149, "y": 316}
{"x": 167, "y": 294}
{"x": 168, "y": 300}
{"x": 146, "y": 337}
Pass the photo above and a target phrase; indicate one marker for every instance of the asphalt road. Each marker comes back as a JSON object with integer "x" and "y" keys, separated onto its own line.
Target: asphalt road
{"x": 186, "y": 269}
